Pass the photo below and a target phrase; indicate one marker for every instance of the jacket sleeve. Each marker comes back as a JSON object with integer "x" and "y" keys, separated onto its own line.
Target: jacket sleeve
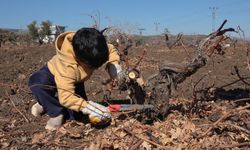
{"x": 114, "y": 57}
{"x": 66, "y": 90}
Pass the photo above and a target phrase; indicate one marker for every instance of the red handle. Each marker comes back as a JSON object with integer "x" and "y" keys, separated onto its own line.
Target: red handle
{"x": 114, "y": 107}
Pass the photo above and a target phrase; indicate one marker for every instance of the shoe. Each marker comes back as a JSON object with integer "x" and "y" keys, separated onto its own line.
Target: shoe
{"x": 54, "y": 123}
{"x": 37, "y": 110}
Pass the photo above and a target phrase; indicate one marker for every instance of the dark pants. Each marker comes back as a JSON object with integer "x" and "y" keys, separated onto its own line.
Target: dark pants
{"x": 43, "y": 87}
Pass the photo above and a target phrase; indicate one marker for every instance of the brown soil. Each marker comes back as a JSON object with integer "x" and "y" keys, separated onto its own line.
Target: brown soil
{"x": 181, "y": 129}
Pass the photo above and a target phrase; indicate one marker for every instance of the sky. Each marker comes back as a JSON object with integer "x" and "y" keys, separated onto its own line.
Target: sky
{"x": 186, "y": 16}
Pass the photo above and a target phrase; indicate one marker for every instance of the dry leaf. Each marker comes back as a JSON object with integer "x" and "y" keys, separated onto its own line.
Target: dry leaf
{"x": 244, "y": 137}
{"x": 38, "y": 137}
{"x": 176, "y": 133}
{"x": 122, "y": 134}
{"x": 145, "y": 145}
{"x": 62, "y": 130}
{"x": 166, "y": 140}
{"x": 189, "y": 126}
{"x": 88, "y": 131}
{"x": 4, "y": 145}
{"x": 95, "y": 145}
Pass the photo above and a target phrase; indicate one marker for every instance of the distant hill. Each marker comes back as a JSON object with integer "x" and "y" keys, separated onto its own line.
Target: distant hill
{"x": 18, "y": 31}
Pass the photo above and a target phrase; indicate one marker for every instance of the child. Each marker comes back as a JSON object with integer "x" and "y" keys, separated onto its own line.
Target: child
{"x": 59, "y": 85}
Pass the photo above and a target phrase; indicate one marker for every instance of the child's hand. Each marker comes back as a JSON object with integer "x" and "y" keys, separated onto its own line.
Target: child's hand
{"x": 114, "y": 70}
{"x": 98, "y": 114}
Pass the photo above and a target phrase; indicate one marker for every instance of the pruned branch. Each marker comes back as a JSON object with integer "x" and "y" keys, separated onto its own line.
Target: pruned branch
{"x": 169, "y": 77}
{"x": 227, "y": 114}
{"x": 178, "y": 38}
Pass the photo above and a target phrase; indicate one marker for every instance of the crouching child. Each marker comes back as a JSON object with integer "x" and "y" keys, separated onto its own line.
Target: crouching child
{"x": 59, "y": 85}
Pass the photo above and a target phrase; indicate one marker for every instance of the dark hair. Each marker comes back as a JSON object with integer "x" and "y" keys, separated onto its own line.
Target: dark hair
{"x": 90, "y": 47}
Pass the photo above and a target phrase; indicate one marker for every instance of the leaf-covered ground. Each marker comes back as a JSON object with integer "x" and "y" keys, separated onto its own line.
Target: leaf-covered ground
{"x": 218, "y": 117}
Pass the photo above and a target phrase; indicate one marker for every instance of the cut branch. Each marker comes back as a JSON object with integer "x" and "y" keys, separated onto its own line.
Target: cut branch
{"x": 26, "y": 119}
{"x": 227, "y": 114}
{"x": 144, "y": 139}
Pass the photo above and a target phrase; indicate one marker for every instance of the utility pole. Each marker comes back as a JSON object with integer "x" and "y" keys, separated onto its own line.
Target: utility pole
{"x": 140, "y": 31}
{"x": 166, "y": 30}
{"x": 109, "y": 21}
{"x": 98, "y": 17}
{"x": 156, "y": 27}
{"x": 213, "y": 10}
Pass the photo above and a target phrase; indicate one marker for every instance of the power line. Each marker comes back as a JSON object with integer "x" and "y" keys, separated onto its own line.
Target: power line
{"x": 213, "y": 10}
{"x": 140, "y": 31}
{"x": 156, "y": 26}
